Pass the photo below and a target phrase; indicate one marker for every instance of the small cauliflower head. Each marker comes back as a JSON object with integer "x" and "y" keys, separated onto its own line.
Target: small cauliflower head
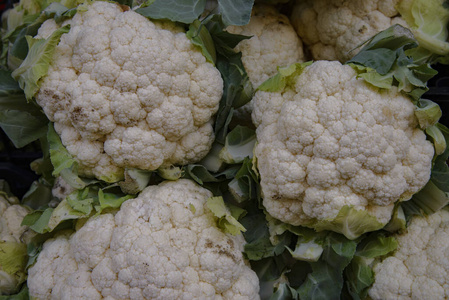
{"x": 273, "y": 43}
{"x": 336, "y": 153}
{"x": 13, "y": 252}
{"x": 164, "y": 244}
{"x": 419, "y": 269}
{"x": 126, "y": 92}
{"x": 331, "y": 29}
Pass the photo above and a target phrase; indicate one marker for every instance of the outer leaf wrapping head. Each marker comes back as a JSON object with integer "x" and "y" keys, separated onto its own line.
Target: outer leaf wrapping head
{"x": 428, "y": 20}
{"x": 387, "y": 60}
{"x": 36, "y": 64}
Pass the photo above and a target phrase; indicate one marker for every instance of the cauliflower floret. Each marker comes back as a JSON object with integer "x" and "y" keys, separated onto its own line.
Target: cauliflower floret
{"x": 332, "y": 29}
{"x": 11, "y": 215}
{"x": 13, "y": 252}
{"x": 126, "y": 92}
{"x": 273, "y": 43}
{"x": 164, "y": 244}
{"x": 419, "y": 269}
{"x": 331, "y": 141}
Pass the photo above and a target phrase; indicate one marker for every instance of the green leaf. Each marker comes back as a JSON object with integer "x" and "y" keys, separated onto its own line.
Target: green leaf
{"x": 200, "y": 36}
{"x": 245, "y": 185}
{"x": 379, "y": 59}
{"x": 349, "y": 221}
{"x": 427, "y": 201}
{"x": 235, "y": 12}
{"x": 62, "y": 160}
{"x": 359, "y": 275}
{"x": 37, "y": 61}
{"x": 225, "y": 219}
{"x": 184, "y": 11}
{"x": 38, "y": 195}
{"x": 428, "y": 113}
{"x": 22, "y": 127}
{"x": 284, "y": 291}
{"x": 239, "y": 144}
{"x": 136, "y": 180}
{"x": 257, "y": 236}
{"x": 309, "y": 245}
{"x": 390, "y": 55}
{"x": 284, "y": 77}
{"x": 440, "y": 169}
{"x": 38, "y": 220}
{"x": 13, "y": 259}
{"x": 110, "y": 200}
{"x": 21, "y": 295}
{"x": 326, "y": 279}
{"x": 438, "y": 139}
{"x": 81, "y": 201}
{"x": 428, "y": 20}
{"x": 237, "y": 90}
{"x": 398, "y": 220}
{"x": 22, "y": 122}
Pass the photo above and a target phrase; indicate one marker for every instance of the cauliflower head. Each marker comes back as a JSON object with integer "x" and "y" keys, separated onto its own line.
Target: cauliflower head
{"x": 13, "y": 252}
{"x": 164, "y": 244}
{"x": 273, "y": 43}
{"x": 126, "y": 92}
{"x": 332, "y": 28}
{"x": 336, "y": 153}
{"x": 419, "y": 269}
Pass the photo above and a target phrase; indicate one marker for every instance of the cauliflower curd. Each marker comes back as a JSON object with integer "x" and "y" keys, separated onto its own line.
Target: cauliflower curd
{"x": 419, "y": 268}
{"x": 331, "y": 29}
{"x": 126, "y": 92}
{"x": 273, "y": 43}
{"x": 328, "y": 141}
{"x": 164, "y": 244}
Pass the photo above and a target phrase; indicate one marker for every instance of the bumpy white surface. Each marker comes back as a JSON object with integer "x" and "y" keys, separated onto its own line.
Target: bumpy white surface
{"x": 332, "y": 140}
{"x": 127, "y": 92}
{"x": 11, "y": 215}
{"x": 164, "y": 244}
{"x": 273, "y": 43}
{"x": 332, "y": 28}
{"x": 419, "y": 269}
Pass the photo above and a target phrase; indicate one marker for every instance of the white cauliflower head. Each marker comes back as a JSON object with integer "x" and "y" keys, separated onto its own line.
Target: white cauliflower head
{"x": 419, "y": 269}
{"x": 164, "y": 244}
{"x": 11, "y": 216}
{"x": 273, "y": 43}
{"x": 332, "y": 28}
{"x": 329, "y": 142}
{"x": 13, "y": 252}
{"x": 126, "y": 92}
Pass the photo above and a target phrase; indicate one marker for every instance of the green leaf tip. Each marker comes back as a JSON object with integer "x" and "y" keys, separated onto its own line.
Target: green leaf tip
{"x": 284, "y": 77}
{"x": 36, "y": 64}
{"x": 388, "y": 59}
{"x": 226, "y": 221}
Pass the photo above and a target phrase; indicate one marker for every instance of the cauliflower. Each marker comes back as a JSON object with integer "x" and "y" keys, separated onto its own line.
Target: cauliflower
{"x": 273, "y": 43}
{"x": 13, "y": 252}
{"x": 419, "y": 268}
{"x": 126, "y": 92}
{"x": 164, "y": 244}
{"x": 332, "y": 28}
{"x": 336, "y": 153}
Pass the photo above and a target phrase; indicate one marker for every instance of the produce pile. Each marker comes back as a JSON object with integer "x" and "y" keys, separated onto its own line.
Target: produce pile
{"x": 229, "y": 149}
